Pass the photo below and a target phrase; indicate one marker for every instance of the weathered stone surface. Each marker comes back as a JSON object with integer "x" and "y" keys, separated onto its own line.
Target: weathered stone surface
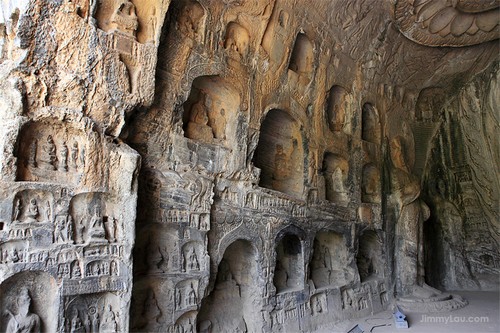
{"x": 244, "y": 166}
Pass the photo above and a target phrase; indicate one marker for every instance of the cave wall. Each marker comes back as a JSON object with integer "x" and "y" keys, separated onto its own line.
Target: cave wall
{"x": 162, "y": 159}
{"x": 462, "y": 185}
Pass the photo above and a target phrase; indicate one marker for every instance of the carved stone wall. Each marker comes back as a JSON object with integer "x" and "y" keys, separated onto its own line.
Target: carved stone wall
{"x": 243, "y": 166}
{"x": 68, "y": 185}
{"x": 462, "y": 185}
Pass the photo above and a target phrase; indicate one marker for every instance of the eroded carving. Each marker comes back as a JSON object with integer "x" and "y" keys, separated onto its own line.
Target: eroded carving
{"x": 336, "y": 108}
{"x": 279, "y": 154}
{"x": 237, "y": 39}
{"x": 329, "y": 264}
{"x": 336, "y": 172}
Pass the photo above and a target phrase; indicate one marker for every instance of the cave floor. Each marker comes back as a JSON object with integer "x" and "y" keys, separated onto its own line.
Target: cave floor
{"x": 483, "y": 306}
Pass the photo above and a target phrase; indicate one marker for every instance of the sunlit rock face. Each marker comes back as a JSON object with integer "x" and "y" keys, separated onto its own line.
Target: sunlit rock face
{"x": 244, "y": 166}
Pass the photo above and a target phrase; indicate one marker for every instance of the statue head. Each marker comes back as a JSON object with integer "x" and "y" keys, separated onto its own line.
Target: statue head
{"x": 237, "y": 38}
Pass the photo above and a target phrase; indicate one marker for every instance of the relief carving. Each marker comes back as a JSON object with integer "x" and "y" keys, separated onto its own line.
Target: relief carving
{"x": 336, "y": 171}
{"x": 24, "y": 320}
{"x": 237, "y": 39}
{"x": 448, "y": 23}
{"x": 190, "y": 19}
{"x": 124, "y": 18}
{"x": 248, "y": 122}
{"x": 412, "y": 214}
{"x": 335, "y": 108}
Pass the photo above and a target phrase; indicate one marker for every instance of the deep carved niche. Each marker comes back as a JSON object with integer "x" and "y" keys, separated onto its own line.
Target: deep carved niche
{"x": 329, "y": 264}
{"x": 336, "y": 108}
{"x": 210, "y": 113}
{"x": 302, "y": 57}
{"x": 289, "y": 270}
{"x": 230, "y": 306}
{"x": 369, "y": 257}
{"x": 51, "y": 153}
{"x": 370, "y": 124}
{"x": 336, "y": 171}
{"x": 370, "y": 184}
{"x": 29, "y": 300}
{"x": 279, "y": 154}
{"x": 237, "y": 39}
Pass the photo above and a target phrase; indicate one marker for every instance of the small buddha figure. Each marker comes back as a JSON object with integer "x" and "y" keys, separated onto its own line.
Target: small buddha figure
{"x": 32, "y": 211}
{"x": 282, "y": 166}
{"x": 63, "y": 163}
{"x": 108, "y": 323}
{"x": 193, "y": 261}
{"x": 192, "y": 299}
{"x": 49, "y": 157}
{"x": 97, "y": 233}
{"x": 76, "y": 323}
{"x": 198, "y": 128}
{"x": 73, "y": 160}
{"x": 17, "y": 210}
{"x": 151, "y": 311}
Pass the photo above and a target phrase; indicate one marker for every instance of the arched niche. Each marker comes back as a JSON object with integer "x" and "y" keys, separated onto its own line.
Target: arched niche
{"x": 186, "y": 323}
{"x": 289, "y": 270}
{"x": 370, "y": 257}
{"x": 279, "y": 154}
{"x": 336, "y": 171}
{"x": 100, "y": 312}
{"x": 302, "y": 57}
{"x": 33, "y": 206}
{"x": 237, "y": 39}
{"x": 50, "y": 151}
{"x": 370, "y": 124}
{"x": 186, "y": 295}
{"x": 370, "y": 184}
{"x": 93, "y": 218}
{"x": 211, "y": 111}
{"x": 230, "y": 307}
{"x": 330, "y": 260}
{"x": 336, "y": 108}
{"x": 30, "y": 298}
{"x": 192, "y": 258}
